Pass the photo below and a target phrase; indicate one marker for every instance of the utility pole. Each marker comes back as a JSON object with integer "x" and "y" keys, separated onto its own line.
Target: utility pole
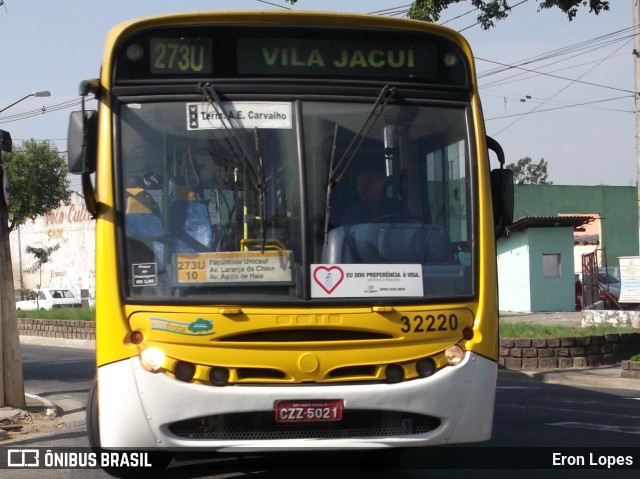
{"x": 636, "y": 67}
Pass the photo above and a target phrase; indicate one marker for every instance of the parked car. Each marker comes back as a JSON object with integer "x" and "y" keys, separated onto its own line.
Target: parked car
{"x": 612, "y": 282}
{"x": 48, "y": 299}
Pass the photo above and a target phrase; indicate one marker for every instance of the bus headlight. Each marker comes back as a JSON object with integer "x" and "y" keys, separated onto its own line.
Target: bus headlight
{"x": 152, "y": 359}
{"x": 454, "y": 355}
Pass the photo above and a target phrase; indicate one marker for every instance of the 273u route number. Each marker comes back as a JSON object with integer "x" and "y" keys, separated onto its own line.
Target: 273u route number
{"x": 429, "y": 323}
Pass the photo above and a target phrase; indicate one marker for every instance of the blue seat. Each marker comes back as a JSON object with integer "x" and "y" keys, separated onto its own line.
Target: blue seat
{"x": 401, "y": 243}
{"x": 192, "y": 227}
{"x": 147, "y": 228}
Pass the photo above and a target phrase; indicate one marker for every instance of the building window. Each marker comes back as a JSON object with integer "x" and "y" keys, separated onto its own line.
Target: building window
{"x": 551, "y": 267}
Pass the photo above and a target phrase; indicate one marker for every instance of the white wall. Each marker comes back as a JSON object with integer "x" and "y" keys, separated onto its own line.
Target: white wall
{"x": 514, "y": 283}
{"x": 73, "y": 265}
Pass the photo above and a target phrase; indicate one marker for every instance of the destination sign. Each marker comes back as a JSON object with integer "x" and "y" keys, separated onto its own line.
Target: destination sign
{"x": 344, "y": 58}
{"x": 285, "y": 51}
{"x": 181, "y": 55}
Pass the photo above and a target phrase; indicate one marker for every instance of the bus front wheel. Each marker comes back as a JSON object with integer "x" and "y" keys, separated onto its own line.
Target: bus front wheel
{"x": 93, "y": 430}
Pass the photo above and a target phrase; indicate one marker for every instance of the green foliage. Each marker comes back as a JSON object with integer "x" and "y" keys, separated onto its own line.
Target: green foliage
{"x": 635, "y": 358}
{"x": 530, "y": 330}
{"x": 38, "y": 181}
{"x": 42, "y": 255}
{"x": 492, "y": 10}
{"x": 527, "y": 172}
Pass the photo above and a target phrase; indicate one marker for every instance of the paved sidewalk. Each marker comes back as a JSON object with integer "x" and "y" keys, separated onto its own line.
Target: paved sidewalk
{"x": 604, "y": 377}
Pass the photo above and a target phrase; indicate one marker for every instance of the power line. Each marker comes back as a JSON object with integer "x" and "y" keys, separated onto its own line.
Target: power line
{"x": 562, "y": 108}
{"x": 392, "y": 9}
{"x": 564, "y": 88}
{"x": 478, "y": 23}
{"x": 43, "y": 110}
{"x": 523, "y": 75}
{"x": 274, "y": 4}
{"x": 459, "y": 16}
{"x": 572, "y": 80}
{"x": 588, "y": 45}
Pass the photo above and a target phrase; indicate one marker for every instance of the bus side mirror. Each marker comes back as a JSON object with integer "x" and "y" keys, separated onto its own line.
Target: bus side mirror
{"x": 502, "y": 195}
{"x": 82, "y": 142}
{"x": 502, "y": 191}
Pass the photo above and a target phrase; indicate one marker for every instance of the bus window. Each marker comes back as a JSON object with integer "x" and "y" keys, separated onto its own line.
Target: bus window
{"x": 216, "y": 191}
{"x": 419, "y": 186}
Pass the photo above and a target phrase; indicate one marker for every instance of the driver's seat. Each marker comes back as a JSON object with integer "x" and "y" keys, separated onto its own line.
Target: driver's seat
{"x": 392, "y": 243}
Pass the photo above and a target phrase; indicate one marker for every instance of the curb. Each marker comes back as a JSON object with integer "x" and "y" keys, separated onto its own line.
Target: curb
{"x": 594, "y": 378}
{"x": 37, "y": 403}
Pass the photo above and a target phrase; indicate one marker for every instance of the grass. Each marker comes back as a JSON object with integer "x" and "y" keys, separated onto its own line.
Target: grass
{"x": 635, "y": 358}
{"x": 529, "y": 330}
{"x": 73, "y": 314}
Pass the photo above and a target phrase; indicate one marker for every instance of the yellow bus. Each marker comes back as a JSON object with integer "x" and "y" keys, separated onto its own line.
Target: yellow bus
{"x": 296, "y": 219}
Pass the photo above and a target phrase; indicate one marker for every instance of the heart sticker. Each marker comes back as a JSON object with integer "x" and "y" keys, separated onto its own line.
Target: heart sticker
{"x": 328, "y": 278}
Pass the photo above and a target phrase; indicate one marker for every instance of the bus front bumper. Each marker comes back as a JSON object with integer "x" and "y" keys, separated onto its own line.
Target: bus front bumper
{"x": 139, "y": 409}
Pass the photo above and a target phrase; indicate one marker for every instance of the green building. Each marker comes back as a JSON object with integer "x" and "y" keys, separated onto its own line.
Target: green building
{"x": 537, "y": 259}
{"x": 617, "y": 207}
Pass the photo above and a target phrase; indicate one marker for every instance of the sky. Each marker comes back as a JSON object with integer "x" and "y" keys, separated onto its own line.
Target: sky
{"x": 572, "y": 106}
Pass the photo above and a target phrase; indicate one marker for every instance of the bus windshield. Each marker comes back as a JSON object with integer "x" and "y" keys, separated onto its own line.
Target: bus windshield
{"x": 211, "y": 194}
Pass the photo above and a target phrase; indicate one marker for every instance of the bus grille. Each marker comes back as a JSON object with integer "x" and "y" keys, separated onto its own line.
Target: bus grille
{"x": 262, "y": 426}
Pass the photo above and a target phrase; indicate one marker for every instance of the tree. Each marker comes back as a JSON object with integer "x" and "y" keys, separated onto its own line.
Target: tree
{"x": 42, "y": 256}
{"x": 490, "y": 10}
{"x": 528, "y": 173}
{"x": 37, "y": 185}
{"x": 38, "y": 181}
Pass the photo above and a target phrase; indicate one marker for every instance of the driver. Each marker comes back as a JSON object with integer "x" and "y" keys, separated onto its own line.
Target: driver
{"x": 372, "y": 203}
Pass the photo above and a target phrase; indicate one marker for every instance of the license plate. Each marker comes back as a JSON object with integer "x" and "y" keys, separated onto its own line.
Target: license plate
{"x": 308, "y": 411}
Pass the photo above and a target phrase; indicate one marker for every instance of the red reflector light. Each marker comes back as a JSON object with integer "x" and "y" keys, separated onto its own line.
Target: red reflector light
{"x": 467, "y": 333}
{"x": 137, "y": 337}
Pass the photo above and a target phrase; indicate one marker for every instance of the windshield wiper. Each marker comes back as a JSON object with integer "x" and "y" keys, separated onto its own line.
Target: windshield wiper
{"x": 336, "y": 174}
{"x": 211, "y": 95}
{"x": 262, "y": 189}
{"x": 256, "y": 170}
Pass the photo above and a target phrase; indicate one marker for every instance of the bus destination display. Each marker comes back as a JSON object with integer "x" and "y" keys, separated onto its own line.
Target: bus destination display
{"x": 181, "y": 55}
{"x": 262, "y": 56}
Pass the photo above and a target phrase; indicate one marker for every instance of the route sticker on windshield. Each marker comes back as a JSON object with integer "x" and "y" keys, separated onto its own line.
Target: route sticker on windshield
{"x": 239, "y": 114}
{"x": 144, "y": 274}
{"x": 365, "y": 280}
{"x": 233, "y": 267}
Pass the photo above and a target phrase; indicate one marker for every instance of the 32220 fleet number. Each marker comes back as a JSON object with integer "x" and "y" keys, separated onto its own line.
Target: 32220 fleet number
{"x": 429, "y": 323}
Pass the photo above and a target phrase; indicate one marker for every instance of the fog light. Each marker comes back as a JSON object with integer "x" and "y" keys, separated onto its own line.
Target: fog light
{"x": 454, "y": 355}
{"x": 219, "y": 376}
{"x": 152, "y": 359}
{"x": 394, "y": 373}
{"x": 425, "y": 367}
{"x": 184, "y": 371}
